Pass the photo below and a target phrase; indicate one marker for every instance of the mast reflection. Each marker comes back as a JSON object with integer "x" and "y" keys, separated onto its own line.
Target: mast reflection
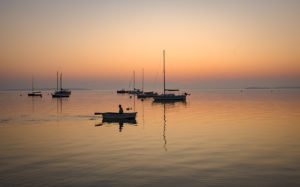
{"x": 59, "y": 105}
{"x": 164, "y": 129}
{"x": 120, "y": 122}
{"x": 165, "y": 104}
{"x": 33, "y": 100}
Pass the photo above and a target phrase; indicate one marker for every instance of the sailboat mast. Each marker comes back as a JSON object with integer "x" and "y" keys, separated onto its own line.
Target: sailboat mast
{"x": 133, "y": 80}
{"x": 143, "y": 82}
{"x": 32, "y": 87}
{"x": 60, "y": 81}
{"x": 56, "y": 80}
{"x": 164, "y": 60}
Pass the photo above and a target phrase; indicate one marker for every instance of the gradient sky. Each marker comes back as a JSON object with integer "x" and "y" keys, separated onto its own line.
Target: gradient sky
{"x": 97, "y": 44}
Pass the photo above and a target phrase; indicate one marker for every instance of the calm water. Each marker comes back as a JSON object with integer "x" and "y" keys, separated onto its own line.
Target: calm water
{"x": 216, "y": 138}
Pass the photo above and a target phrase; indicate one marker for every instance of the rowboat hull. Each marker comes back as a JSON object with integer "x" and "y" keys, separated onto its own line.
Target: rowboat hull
{"x": 117, "y": 116}
{"x": 128, "y": 121}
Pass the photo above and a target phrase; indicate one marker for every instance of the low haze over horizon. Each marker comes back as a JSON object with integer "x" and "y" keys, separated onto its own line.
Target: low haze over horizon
{"x": 98, "y": 44}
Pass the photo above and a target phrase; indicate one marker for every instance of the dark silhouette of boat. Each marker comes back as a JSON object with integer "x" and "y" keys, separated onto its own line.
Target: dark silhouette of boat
{"x": 168, "y": 96}
{"x": 34, "y": 93}
{"x": 147, "y": 95}
{"x": 122, "y": 91}
{"x": 60, "y": 92}
{"x": 117, "y": 116}
{"x": 134, "y": 91}
{"x": 129, "y": 121}
{"x": 143, "y": 94}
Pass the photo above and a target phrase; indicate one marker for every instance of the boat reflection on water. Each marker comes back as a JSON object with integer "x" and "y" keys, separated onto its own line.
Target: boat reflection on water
{"x": 33, "y": 103}
{"x": 120, "y": 122}
{"x": 164, "y": 129}
{"x": 59, "y": 104}
{"x": 165, "y": 104}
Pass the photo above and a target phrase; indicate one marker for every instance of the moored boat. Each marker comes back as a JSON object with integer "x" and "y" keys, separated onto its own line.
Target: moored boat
{"x": 135, "y": 91}
{"x": 60, "y": 92}
{"x": 122, "y": 91}
{"x": 34, "y": 93}
{"x": 168, "y": 97}
{"x": 143, "y": 94}
{"x": 147, "y": 95}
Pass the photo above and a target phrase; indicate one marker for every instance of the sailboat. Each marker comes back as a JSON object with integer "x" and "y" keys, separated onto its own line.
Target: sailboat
{"x": 135, "y": 90}
{"x": 60, "y": 92}
{"x": 168, "y": 97}
{"x": 145, "y": 94}
{"x": 34, "y": 93}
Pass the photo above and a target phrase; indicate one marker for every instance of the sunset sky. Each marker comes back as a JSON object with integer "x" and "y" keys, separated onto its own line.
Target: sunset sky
{"x": 98, "y": 44}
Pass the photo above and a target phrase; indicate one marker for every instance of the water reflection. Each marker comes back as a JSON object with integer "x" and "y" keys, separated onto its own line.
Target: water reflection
{"x": 165, "y": 104}
{"x": 134, "y": 98}
{"x": 33, "y": 100}
{"x": 59, "y": 105}
{"x": 143, "y": 113}
{"x": 118, "y": 122}
{"x": 164, "y": 131}
{"x": 219, "y": 139}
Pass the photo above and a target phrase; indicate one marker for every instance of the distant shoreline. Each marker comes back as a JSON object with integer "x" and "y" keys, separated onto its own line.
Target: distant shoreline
{"x": 275, "y": 88}
{"x": 247, "y": 88}
{"x": 43, "y": 89}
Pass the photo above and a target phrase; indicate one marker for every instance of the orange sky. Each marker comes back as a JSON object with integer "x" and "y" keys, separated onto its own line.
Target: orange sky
{"x": 105, "y": 41}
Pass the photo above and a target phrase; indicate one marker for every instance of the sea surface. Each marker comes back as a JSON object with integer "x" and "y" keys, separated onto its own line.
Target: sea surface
{"x": 216, "y": 138}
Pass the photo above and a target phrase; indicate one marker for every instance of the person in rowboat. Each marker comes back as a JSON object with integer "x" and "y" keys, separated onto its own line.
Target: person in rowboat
{"x": 121, "y": 109}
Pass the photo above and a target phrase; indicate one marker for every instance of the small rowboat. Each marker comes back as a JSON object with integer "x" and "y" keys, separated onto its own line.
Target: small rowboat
{"x": 116, "y": 115}
{"x": 120, "y": 121}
